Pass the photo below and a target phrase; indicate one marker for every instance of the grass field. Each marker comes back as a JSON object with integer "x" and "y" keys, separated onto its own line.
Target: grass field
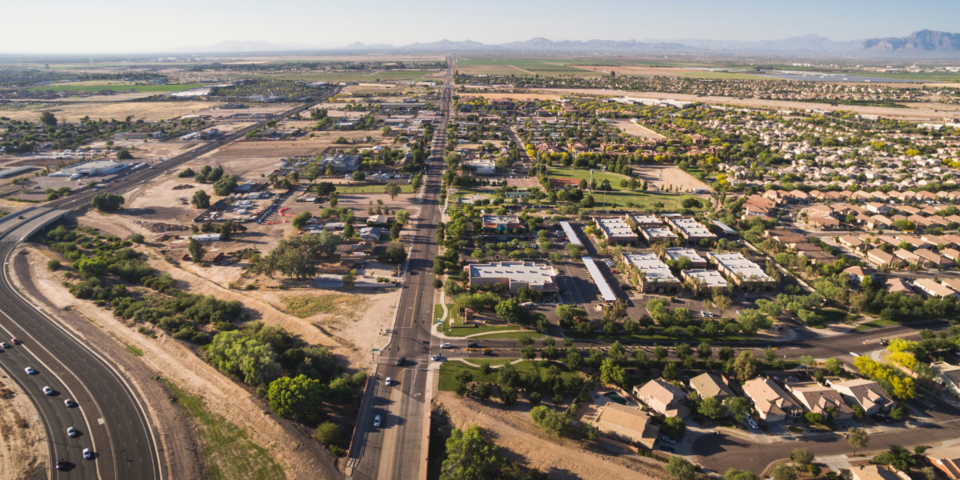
{"x": 510, "y": 336}
{"x": 347, "y": 76}
{"x": 303, "y": 306}
{"x": 657, "y": 336}
{"x": 372, "y": 189}
{"x": 878, "y": 323}
{"x": 454, "y": 317}
{"x": 618, "y": 198}
{"x": 117, "y": 87}
{"x": 226, "y": 450}
{"x": 449, "y": 371}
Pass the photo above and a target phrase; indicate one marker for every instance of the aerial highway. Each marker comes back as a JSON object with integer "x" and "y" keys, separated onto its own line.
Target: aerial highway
{"x": 395, "y": 449}
{"x": 109, "y": 418}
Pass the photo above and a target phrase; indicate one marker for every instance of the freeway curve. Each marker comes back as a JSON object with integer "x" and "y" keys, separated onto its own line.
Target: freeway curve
{"x": 395, "y": 449}
{"x": 109, "y": 416}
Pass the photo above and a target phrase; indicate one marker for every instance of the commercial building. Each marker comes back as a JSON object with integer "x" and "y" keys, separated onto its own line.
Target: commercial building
{"x": 644, "y": 220}
{"x": 675, "y": 254}
{"x": 501, "y": 223}
{"x": 657, "y": 234}
{"x": 662, "y": 397}
{"x": 869, "y": 395}
{"x": 712, "y": 279}
{"x": 770, "y": 401}
{"x": 482, "y": 167}
{"x": 690, "y": 229}
{"x": 93, "y": 168}
{"x": 616, "y": 230}
{"x": 514, "y": 275}
{"x": 741, "y": 271}
{"x": 649, "y": 272}
{"x": 626, "y": 424}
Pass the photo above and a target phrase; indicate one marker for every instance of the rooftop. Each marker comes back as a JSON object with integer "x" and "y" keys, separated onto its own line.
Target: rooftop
{"x": 739, "y": 265}
{"x": 615, "y": 228}
{"x": 691, "y": 228}
{"x": 676, "y": 253}
{"x": 651, "y": 266}
{"x": 712, "y": 278}
{"x": 525, "y": 272}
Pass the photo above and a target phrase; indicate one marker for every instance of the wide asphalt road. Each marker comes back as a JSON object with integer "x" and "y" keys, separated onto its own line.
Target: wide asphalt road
{"x": 109, "y": 417}
{"x": 395, "y": 449}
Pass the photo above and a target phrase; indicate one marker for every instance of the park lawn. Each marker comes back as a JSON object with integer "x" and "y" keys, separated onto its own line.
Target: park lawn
{"x": 371, "y": 189}
{"x": 878, "y": 323}
{"x": 116, "y": 87}
{"x": 437, "y": 312}
{"x": 833, "y": 315}
{"x": 510, "y": 336}
{"x": 575, "y": 334}
{"x": 449, "y": 371}
{"x": 463, "y": 332}
{"x": 617, "y": 197}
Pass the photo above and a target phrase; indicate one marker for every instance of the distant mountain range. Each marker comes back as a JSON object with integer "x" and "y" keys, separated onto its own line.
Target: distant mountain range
{"x": 925, "y": 43}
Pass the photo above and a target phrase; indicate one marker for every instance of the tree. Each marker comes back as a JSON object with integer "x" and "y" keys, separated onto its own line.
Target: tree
{"x": 236, "y": 354}
{"x": 660, "y": 352}
{"x": 679, "y": 467}
{"x": 483, "y": 391}
{"x": 508, "y": 396}
{"x": 300, "y": 221}
{"x": 617, "y": 353}
{"x": 393, "y": 190}
{"x": 674, "y": 427}
{"x": 550, "y": 420}
{"x": 48, "y": 119}
{"x": 857, "y": 438}
{"x": 574, "y": 359}
{"x": 734, "y": 474}
{"x": 510, "y": 311}
{"x": 196, "y": 251}
{"x": 295, "y": 397}
{"x": 801, "y": 457}
{"x": 124, "y": 154}
{"x": 745, "y": 367}
{"x": 295, "y": 256}
{"x": 610, "y": 372}
{"x": 898, "y": 457}
{"x": 833, "y": 366}
{"x": 711, "y": 408}
{"x": 528, "y": 353}
{"x": 328, "y": 433}
{"x": 470, "y": 456}
{"x": 200, "y": 199}
{"x": 358, "y": 176}
{"x": 225, "y": 185}
{"x": 107, "y": 202}
{"x": 858, "y": 412}
{"x": 402, "y": 216}
{"x": 739, "y": 407}
{"x": 783, "y": 472}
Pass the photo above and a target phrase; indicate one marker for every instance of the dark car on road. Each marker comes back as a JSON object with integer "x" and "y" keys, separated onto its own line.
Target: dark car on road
{"x": 471, "y": 343}
{"x": 401, "y": 360}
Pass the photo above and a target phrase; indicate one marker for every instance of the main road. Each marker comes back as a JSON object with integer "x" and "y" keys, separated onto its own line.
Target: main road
{"x": 395, "y": 449}
{"x": 106, "y": 411}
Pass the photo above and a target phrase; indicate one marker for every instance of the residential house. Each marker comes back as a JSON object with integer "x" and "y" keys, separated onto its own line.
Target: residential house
{"x": 897, "y": 285}
{"x": 869, "y": 395}
{"x": 818, "y": 398}
{"x": 947, "y": 376}
{"x": 627, "y": 424}
{"x": 770, "y": 401}
{"x": 946, "y": 459}
{"x": 709, "y": 385}
{"x": 662, "y": 398}
{"x": 857, "y": 273}
{"x": 874, "y": 472}
{"x": 935, "y": 289}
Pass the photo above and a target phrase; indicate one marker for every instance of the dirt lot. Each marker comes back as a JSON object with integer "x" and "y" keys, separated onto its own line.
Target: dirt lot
{"x": 519, "y": 96}
{"x": 320, "y": 142}
{"x": 672, "y": 177}
{"x": 23, "y": 444}
{"x": 522, "y": 441}
{"x": 148, "y": 111}
{"x": 915, "y": 112}
{"x": 631, "y": 128}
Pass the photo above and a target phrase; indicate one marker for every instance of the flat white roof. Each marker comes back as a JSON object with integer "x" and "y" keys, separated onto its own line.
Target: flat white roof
{"x": 523, "y": 272}
{"x": 656, "y": 233}
{"x": 676, "y": 253}
{"x": 615, "y": 228}
{"x": 712, "y": 278}
{"x": 645, "y": 219}
{"x": 500, "y": 219}
{"x": 651, "y": 266}
{"x": 571, "y": 234}
{"x": 692, "y": 228}
{"x": 605, "y": 291}
{"x": 738, "y": 264}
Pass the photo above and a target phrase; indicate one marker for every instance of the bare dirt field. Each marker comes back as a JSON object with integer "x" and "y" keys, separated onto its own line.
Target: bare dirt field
{"x": 23, "y": 445}
{"x": 631, "y": 128}
{"x": 672, "y": 179}
{"x": 148, "y": 111}
{"x": 216, "y": 112}
{"x": 519, "y": 96}
{"x": 915, "y": 112}
{"x": 320, "y": 142}
{"x": 522, "y": 441}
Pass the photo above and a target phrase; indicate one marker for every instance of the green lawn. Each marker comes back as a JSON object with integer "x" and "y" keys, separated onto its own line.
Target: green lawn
{"x": 226, "y": 450}
{"x": 618, "y": 198}
{"x": 463, "y": 332}
{"x": 119, "y": 87}
{"x": 510, "y": 336}
{"x": 371, "y": 189}
{"x": 437, "y": 312}
{"x": 658, "y": 336}
{"x": 878, "y": 323}
{"x": 833, "y": 315}
{"x": 449, "y": 371}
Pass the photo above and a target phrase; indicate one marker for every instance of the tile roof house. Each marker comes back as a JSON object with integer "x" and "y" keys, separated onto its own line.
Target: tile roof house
{"x": 818, "y": 399}
{"x": 711, "y": 385}
{"x": 947, "y": 459}
{"x": 869, "y": 395}
{"x": 627, "y": 424}
{"x": 896, "y": 284}
{"x": 873, "y": 472}
{"x": 662, "y": 398}
{"x": 935, "y": 289}
{"x": 771, "y": 402}
{"x": 947, "y": 375}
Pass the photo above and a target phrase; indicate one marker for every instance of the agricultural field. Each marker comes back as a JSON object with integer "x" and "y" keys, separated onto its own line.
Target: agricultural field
{"x": 520, "y": 67}
{"x": 116, "y": 87}
{"x": 148, "y": 111}
{"x": 348, "y": 76}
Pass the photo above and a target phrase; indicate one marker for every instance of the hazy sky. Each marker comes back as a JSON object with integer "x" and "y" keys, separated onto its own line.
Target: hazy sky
{"x": 87, "y": 26}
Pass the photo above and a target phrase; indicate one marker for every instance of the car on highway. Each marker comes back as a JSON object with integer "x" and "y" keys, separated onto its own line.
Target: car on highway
{"x": 376, "y": 421}
{"x": 47, "y": 391}
{"x": 436, "y": 358}
{"x": 29, "y": 370}
{"x": 87, "y": 454}
{"x": 401, "y": 361}
{"x": 20, "y": 217}
{"x": 471, "y": 343}
{"x": 446, "y": 345}
{"x": 69, "y": 403}
{"x": 4, "y": 345}
{"x": 61, "y": 465}
{"x": 15, "y": 341}
{"x": 71, "y": 432}
{"x": 388, "y": 381}
{"x": 854, "y": 354}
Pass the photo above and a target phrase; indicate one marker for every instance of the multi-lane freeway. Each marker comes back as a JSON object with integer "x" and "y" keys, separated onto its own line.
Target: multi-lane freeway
{"x": 105, "y": 411}
{"x": 394, "y": 450}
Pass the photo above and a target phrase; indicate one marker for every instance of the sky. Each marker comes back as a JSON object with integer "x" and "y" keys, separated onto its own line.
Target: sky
{"x": 136, "y": 26}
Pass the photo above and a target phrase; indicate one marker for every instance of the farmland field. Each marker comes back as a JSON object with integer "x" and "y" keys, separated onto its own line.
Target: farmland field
{"x": 348, "y": 76}
{"x": 519, "y": 67}
{"x": 116, "y": 87}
